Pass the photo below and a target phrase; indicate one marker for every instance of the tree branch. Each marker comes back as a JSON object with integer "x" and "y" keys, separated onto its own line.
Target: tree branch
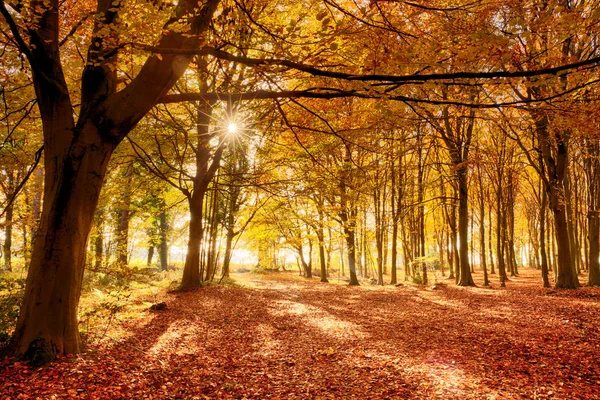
{"x": 410, "y": 78}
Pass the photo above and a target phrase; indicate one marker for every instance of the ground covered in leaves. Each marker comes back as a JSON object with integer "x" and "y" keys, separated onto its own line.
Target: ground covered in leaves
{"x": 278, "y": 336}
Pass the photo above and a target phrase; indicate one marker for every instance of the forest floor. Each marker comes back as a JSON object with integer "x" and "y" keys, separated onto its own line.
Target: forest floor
{"x": 279, "y": 336}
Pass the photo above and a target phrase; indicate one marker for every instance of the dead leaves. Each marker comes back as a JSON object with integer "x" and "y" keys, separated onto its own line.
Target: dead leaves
{"x": 299, "y": 339}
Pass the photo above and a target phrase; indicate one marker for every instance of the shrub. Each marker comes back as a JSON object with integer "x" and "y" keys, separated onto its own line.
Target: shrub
{"x": 11, "y": 297}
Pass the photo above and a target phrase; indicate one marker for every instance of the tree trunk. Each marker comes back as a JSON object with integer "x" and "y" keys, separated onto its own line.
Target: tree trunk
{"x": 490, "y": 240}
{"x": 8, "y": 224}
{"x": 322, "y": 259}
{"x": 465, "y": 278}
{"x": 554, "y": 153}
{"x": 499, "y": 237}
{"x": 76, "y": 157}
{"x": 124, "y": 216}
{"x": 350, "y": 247}
{"x": 544, "y": 258}
{"x": 191, "y": 269}
{"x": 7, "y": 245}
{"x": 482, "y": 229}
{"x": 229, "y": 235}
{"x": 163, "y": 248}
{"x": 592, "y": 167}
{"x": 47, "y": 324}
{"x": 394, "y": 278}
{"x": 150, "y": 256}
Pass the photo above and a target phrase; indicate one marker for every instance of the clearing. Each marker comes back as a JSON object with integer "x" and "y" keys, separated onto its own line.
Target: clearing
{"x": 279, "y": 336}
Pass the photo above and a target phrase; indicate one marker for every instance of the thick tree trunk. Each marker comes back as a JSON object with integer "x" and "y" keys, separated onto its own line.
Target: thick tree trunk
{"x": 566, "y": 277}
{"x": 76, "y": 157}
{"x": 554, "y": 153}
{"x": 47, "y": 324}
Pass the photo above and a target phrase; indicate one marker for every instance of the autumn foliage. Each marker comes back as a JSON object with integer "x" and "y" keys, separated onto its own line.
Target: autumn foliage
{"x": 279, "y": 336}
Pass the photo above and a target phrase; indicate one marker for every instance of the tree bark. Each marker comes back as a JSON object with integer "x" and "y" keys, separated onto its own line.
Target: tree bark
{"x": 150, "y": 255}
{"x": 322, "y": 259}
{"x": 232, "y": 207}
{"x": 163, "y": 247}
{"x": 465, "y": 279}
{"x": 47, "y": 324}
{"x": 7, "y": 245}
{"x": 544, "y": 258}
{"x": 482, "y": 228}
{"x": 124, "y": 216}
{"x": 351, "y": 251}
{"x": 8, "y": 222}
{"x": 191, "y": 269}
{"x": 592, "y": 167}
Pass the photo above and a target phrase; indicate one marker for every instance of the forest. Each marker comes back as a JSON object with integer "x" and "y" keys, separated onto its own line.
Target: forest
{"x": 299, "y": 199}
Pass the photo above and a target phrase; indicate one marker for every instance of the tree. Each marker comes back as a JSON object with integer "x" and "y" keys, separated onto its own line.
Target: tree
{"x": 77, "y": 151}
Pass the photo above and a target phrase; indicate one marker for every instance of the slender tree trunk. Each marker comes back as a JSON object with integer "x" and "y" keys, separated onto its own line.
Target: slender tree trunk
{"x": 379, "y": 228}
{"x": 466, "y": 278}
{"x": 499, "y": 236}
{"x": 229, "y": 236}
{"x": 482, "y": 229}
{"x": 490, "y": 240}
{"x": 350, "y": 250}
{"x": 7, "y": 245}
{"x": 163, "y": 248}
{"x": 394, "y": 277}
{"x": 544, "y": 259}
{"x": 212, "y": 254}
{"x": 124, "y": 216}
{"x": 510, "y": 216}
{"x": 443, "y": 244}
{"x": 150, "y": 256}
{"x": 322, "y": 258}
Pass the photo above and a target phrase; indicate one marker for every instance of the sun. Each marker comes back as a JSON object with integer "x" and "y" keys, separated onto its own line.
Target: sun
{"x": 232, "y": 128}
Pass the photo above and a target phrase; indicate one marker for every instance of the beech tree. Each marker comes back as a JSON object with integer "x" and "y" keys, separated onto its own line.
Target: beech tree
{"x": 78, "y": 145}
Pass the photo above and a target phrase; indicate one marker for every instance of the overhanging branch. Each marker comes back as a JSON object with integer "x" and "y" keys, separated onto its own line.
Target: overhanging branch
{"x": 255, "y": 62}
{"x": 316, "y": 93}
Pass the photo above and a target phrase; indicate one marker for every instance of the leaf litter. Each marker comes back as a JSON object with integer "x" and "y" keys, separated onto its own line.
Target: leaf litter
{"x": 279, "y": 336}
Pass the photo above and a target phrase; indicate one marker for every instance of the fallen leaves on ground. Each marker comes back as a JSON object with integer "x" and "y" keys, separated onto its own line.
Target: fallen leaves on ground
{"x": 283, "y": 337}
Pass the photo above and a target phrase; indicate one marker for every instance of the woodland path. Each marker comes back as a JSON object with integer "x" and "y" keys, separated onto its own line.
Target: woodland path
{"x": 282, "y": 337}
